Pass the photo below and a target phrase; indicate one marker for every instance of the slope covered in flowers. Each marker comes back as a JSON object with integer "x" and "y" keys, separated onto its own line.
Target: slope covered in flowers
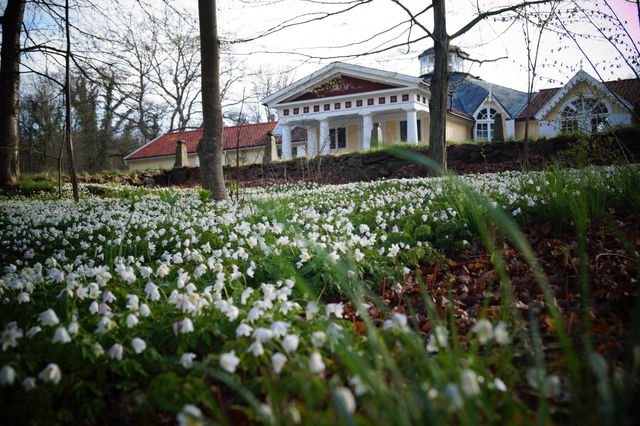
{"x": 152, "y": 304}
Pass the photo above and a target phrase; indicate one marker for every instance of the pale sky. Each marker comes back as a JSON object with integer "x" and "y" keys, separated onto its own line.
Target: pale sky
{"x": 489, "y": 40}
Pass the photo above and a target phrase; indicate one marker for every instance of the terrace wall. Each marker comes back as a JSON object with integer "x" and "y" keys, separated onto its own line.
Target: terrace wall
{"x": 463, "y": 158}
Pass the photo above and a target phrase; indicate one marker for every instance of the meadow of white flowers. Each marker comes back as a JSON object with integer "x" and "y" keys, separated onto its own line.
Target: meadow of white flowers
{"x": 158, "y": 301}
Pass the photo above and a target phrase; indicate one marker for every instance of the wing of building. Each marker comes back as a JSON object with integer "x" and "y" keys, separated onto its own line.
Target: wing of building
{"x": 345, "y": 107}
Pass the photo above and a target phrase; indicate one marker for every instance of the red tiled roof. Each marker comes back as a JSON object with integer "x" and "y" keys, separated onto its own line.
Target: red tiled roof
{"x": 459, "y": 113}
{"x": 628, "y": 89}
{"x": 247, "y": 135}
{"x": 539, "y": 100}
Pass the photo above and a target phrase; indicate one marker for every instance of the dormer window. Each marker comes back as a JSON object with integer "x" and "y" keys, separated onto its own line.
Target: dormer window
{"x": 484, "y": 124}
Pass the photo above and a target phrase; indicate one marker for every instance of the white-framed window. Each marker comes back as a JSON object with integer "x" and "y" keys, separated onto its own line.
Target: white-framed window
{"x": 404, "y": 132}
{"x": 484, "y": 124}
{"x": 337, "y": 138}
{"x": 585, "y": 113}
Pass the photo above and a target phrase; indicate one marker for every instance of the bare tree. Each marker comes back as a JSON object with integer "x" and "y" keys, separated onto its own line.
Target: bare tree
{"x": 9, "y": 92}
{"x": 265, "y": 82}
{"x": 211, "y": 144}
{"x": 533, "y": 39}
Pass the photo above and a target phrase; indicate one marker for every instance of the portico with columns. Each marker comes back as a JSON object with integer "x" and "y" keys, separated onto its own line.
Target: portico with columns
{"x": 341, "y": 104}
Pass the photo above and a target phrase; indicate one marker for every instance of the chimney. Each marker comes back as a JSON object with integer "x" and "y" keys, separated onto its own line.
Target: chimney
{"x": 181, "y": 154}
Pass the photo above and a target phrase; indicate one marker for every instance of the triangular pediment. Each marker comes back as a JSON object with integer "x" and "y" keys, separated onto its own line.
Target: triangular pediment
{"x": 340, "y": 85}
{"x": 338, "y": 79}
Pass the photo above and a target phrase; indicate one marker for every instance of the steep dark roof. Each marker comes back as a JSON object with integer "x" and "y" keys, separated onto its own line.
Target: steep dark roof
{"x": 469, "y": 92}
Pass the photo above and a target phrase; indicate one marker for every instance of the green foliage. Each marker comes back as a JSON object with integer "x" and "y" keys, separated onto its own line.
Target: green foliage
{"x": 284, "y": 249}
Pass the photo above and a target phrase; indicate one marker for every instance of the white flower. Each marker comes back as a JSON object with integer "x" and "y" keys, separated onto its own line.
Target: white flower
{"x": 186, "y": 326}
{"x": 51, "y": 374}
{"x": 144, "y": 310}
{"x": 243, "y": 330}
{"x": 163, "y": 270}
{"x": 245, "y": 295}
{"x": 318, "y": 338}
{"x": 312, "y": 310}
{"x": 108, "y": 297}
{"x": 229, "y": 361}
{"x": 73, "y": 328}
{"x": 116, "y": 351}
{"x": 453, "y": 394}
{"x": 29, "y": 383}
{"x": 190, "y": 416}
{"x": 316, "y": 365}
{"x": 34, "y": 330}
{"x": 152, "y": 291}
{"x": 138, "y": 345}
{"x": 499, "y": 385}
{"x": 187, "y": 359}
{"x": 290, "y": 343}
{"x": 256, "y": 348}
{"x": 145, "y": 271}
{"x": 94, "y": 307}
{"x": 358, "y": 385}
{"x": 484, "y": 330}
{"x": 393, "y": 250}
{"x": 335, "y": 309}
{"x": 98, "y": 350}
{"x": 48, "y": 317}
{"x": 23, "y": 297}
{"x": 262, "y": 334}
{"x": 277, "y": 362}
{"x": 127, "y": 274}
{"x": 133, "y": 302}
{"x": 469, "y": 382}
{"x": 346, "y": 398}
{"x": 61, "y": 336}
{"x": 132, "y": 320}
{"x": 11, "y": 335}
{"x": 7, "y": 375}
{"x": 437, "y": 339}
{"x": 358, "y": 255}
{"x": 501, "y": 334}
{"x": 398, "y": 321}
{"x": 552, "y": 386}
{"x": 279, "y": 328}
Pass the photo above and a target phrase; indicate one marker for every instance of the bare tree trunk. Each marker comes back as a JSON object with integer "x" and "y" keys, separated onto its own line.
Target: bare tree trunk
{"x": 439, "y": 86}
{"x": 211, "y": 144}
{"x": 67, "y": 93}
{"x": 9, "y": 93}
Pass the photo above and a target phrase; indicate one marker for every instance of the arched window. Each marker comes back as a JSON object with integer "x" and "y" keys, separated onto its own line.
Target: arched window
{"x": 484, "y": 124}
{"x": 588, "y": 114}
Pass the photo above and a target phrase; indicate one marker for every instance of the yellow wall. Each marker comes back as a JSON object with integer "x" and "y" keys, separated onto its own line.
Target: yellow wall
{"x": 158, "y": 163}
{"x": 390, "y": 131}
{"x": 458, "y": 130}
{"x": 425, "y": 130}
{"x": 353, "y": 137}
{"x": 247, "y": 156}
{"x": 584, "y": 88}
{"x": 533, "y": 129}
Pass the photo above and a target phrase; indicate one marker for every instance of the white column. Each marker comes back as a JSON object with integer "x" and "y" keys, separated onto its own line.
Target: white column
{"x": 324, "y": 137}
{"x": 367, "y": 126}
{"x": 286, "y": 142}
{"x": 312, "y": 142}
{"x": 412, "y": 130}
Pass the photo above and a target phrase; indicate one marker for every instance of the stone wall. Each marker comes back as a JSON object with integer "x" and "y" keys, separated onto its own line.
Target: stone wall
{"x": 463, "y": 158}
